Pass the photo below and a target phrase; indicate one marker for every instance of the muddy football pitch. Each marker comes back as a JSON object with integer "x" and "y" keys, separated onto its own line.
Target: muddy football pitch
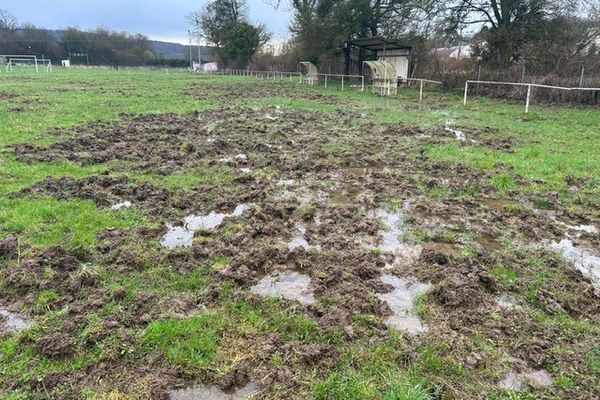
{"x": 167, "y": 235}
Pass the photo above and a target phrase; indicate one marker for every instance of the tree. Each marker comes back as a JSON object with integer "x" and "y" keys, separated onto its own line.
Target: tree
{"x": 241, "y": 45}
{"x": 218, "y": 18}
{"x": 509, "y": 25}
{"x": 8, "y": 22}
{"x": 225, "y": 24}
{"x": 321, "y": 28}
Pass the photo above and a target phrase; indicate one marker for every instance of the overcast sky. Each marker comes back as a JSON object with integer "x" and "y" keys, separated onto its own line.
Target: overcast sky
{"x": 159, "y": 19}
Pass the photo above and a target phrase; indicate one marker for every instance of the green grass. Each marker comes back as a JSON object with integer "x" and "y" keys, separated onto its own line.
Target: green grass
{"x": 191, "y": 342}
{"x": 47, "y": 221}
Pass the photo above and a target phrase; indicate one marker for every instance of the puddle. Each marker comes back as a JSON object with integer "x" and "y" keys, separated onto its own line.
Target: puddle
{"x": 12, "y": 322}
{"x": 183, "y": 236}
{"x": 582, "y": 259}
{"x": 528, "y": 378}
{"x": 123, "y": 204}
{"x": 203, "y": 392}
{"x": 577, "y": 230}
{"x": 290, "y": 285}
{"x": 507, "y": 302}
{"x": 271, "y": 117}
{"x": 239, "y": 157}
{"x": 460, "y": 135}
{"x": 300, "y": 241}
{"x": 392, "y": 235}
{"x": 350, "y": 183}
{"x": 394, "y": 227}
{"x": 401, "y": 301}
{"x": 286, "y": 182}
{"x": 583, "y": 228}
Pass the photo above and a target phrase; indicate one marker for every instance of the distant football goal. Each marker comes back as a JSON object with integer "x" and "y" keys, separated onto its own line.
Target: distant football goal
{"x": 14, "y": 62}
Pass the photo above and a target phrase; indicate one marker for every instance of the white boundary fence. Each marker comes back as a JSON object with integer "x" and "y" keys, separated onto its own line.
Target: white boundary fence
{"x": 529, "y": 86}
{"x": 290, "y": 75}
{"x": 421, "y": 82}
{"x": 325, "y": 78}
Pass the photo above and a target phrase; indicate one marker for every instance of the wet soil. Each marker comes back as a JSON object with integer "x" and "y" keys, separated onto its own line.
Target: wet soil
{"x": 342, "y": 219}
{"x": 227, "y": 93}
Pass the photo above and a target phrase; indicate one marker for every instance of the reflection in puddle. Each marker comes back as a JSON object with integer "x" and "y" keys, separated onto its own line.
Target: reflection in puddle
{"x": 300, "y": 241}
{"x": 582, "y": 259}
{"x": 202, "y": 392}
{"x": 12, "y": 323}
{"x": 507, "y": 302}
{"x": 183, "y": 236}
{"x": 460, "y": 135}
{"x": 583, "y": 228}
{"x": 238, "y": 157}
{"x": 285, "y": 182}
{"x": 292, "y": 286}
{"x": 517, "y": 381}
{"x": 401, "y": 301}
{"x": 392, "y": 235}
{"x": 123, "y": 204}
{"x": 394, "y": 227}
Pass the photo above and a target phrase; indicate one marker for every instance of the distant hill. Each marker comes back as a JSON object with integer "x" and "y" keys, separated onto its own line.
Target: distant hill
{"x": 176, "y": 50}
{"x": 168, "y": 50}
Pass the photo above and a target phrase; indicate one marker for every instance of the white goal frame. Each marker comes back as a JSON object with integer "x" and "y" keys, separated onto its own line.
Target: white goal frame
{"x": 20, "y": 57}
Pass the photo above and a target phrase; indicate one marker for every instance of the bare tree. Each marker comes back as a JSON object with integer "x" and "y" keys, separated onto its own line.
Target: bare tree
{"x": 8, "y": 22}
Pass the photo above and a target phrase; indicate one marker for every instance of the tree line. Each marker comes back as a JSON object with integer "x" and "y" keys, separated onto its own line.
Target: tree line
{"x": 102, "y": 46}
{"x": 549, "y": 36}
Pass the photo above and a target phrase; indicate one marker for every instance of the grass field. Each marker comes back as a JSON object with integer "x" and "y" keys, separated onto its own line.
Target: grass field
{"x": 420, "y": 251}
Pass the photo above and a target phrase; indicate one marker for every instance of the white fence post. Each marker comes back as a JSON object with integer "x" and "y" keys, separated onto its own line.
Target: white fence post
{"x": 466, "y": 89}
{"x": 527, "y": 102}
{"x": 421, "y": 91}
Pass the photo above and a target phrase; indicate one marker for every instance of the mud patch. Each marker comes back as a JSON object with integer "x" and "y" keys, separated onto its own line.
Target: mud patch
{"x": 108, "y": 191}
{"x": 201, "y": 392}
{"x": 259, "y": 89}
{"x": 401, "y": 301}
{"x": 289, "y": 285}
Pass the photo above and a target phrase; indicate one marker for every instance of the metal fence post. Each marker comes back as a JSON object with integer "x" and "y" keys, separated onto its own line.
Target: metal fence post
{"x": 421, "y": 91}
{"x": 362, "y": 84}
{"x": 527, "y": 102}
{"x": 326, "y": 81}
{"x": 342, "y": 83}
{"x": 466, "y": 89}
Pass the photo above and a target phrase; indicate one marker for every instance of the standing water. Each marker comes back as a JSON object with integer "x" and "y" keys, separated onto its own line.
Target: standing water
{"x": 183, "y": 236}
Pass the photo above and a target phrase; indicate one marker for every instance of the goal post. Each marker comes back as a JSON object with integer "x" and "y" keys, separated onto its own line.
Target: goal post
{"x": 20, "y": 59}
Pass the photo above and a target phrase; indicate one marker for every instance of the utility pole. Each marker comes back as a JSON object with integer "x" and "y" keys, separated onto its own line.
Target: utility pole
{"x": 190, "y": 40}
{"x": 199, "y": 51}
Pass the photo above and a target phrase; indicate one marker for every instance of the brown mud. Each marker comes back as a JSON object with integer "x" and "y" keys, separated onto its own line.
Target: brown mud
{"x": 237, "y": 91}
{"x": 311, "y": 234}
